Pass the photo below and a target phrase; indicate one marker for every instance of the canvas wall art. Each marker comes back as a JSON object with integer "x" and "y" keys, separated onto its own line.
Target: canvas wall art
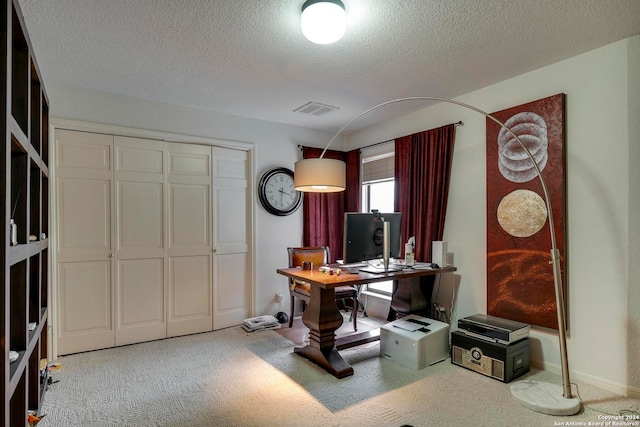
{"x": 519, "y": 275}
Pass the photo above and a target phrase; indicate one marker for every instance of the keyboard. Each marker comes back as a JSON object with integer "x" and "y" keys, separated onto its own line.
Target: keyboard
{"x": 353, "y": 267}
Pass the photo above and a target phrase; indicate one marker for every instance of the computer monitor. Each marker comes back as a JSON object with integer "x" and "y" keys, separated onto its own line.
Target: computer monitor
{"x": 363, "y": 236}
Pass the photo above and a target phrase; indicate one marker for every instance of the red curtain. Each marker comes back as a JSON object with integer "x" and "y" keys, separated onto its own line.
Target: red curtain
{"x": 323, "y": 213}
{"x": 422, "y": 175}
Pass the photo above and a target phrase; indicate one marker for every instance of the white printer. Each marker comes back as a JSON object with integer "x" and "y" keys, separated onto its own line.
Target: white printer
{"x": 415, "y": 342}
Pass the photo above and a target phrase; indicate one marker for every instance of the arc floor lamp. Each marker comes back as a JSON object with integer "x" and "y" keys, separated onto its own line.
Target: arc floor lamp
{"x": 328, "y": 175}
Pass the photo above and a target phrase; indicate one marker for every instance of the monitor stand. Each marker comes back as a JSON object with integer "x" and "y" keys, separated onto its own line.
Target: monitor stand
{"x": 385, "y": 244}
{"x": 386, "y": 254}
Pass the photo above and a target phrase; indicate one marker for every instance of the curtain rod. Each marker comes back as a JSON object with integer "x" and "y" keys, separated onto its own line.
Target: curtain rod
{"x": 459, "y": 123}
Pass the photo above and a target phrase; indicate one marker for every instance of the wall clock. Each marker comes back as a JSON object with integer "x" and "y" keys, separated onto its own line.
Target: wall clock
{"x": 277, "y": 194}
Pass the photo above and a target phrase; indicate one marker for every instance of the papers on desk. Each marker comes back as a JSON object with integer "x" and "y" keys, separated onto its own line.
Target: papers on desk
{"x": 260, "y": 323}
{"x": 377, "y": 267}
{"x": 422, "y": 266}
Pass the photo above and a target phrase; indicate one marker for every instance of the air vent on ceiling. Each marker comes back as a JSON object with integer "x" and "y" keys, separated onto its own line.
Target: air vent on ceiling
{"x": 315, "y": 109}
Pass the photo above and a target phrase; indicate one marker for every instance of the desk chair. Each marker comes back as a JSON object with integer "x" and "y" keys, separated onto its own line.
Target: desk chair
{"x": 318, "y": 255}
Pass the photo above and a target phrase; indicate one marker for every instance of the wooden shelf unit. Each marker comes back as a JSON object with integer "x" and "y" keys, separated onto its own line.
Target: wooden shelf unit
{"x": 24, "y": 182}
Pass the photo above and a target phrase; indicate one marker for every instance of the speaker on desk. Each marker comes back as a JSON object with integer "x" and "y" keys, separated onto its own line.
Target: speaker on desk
{"x": 439, "y": 253}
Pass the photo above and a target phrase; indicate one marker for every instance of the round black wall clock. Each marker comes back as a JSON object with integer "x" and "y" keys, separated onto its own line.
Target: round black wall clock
{"x": 277, "y": 194}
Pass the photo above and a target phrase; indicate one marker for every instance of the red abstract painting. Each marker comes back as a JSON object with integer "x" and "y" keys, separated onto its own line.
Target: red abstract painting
{"x": 519, "y": 276}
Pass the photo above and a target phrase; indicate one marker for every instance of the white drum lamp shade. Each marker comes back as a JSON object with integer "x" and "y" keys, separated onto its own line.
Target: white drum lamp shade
{"x": 320, "y": 175}
{"x": 323, "y": 21}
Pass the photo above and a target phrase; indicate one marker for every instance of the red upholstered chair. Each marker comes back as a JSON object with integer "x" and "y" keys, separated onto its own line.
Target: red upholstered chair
{"x": 318, "y": 255}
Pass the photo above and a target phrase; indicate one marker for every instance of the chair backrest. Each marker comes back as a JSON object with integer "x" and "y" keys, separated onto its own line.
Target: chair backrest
{"x": 318, "y": 255}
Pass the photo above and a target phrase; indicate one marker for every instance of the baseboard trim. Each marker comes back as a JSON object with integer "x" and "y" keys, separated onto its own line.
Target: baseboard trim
{"x": 621, "y": 389}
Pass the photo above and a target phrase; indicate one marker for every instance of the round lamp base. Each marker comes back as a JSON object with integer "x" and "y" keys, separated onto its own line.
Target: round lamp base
{"x": 544, "y": 398}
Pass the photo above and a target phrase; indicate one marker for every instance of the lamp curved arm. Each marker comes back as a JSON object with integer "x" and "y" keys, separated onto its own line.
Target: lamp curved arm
{"x": 477, "y": 110}
{"x": 555, "y": 253}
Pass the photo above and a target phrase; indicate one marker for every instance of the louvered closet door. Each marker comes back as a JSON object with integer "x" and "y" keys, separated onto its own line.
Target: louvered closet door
{"x": 231, "y": 264}
{"x": 190, "y": 303}
{"x": 84, "y": 236}
{"x": 141, "y": 270}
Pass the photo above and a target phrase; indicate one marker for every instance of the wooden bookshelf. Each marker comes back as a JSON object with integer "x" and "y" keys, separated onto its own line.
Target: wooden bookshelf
{"x": 24, "y": 180}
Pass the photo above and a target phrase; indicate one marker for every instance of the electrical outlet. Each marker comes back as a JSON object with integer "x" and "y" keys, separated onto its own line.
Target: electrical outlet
{"x": 278, "y": 297}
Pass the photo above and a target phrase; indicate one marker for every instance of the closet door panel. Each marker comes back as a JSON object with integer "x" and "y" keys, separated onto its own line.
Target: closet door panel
{"x": 190, "y": 307}
{"x": 190, "y": 217}
{"x": 231, "y": 273}
{"x": 141, "y": 289}
{"x": 231, "y": 236}
{"x": 84, "y": 241}
{"x": 81, "y": 153}
{"x": 140, "y": 218}
{"x": 141, "y": 284}
{"x": 140, "y": 157}
{"x": 84, "y": 217}
{"x": 89, "y": 297}
{"x": 84, "y": 297}
{"x": 189, "y": 160}
{"x": 189, "y": 178}
{"x": 231, "y": 268}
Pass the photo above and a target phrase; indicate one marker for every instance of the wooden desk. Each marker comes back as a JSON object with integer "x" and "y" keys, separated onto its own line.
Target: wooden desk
{"x": 323, "y": 318}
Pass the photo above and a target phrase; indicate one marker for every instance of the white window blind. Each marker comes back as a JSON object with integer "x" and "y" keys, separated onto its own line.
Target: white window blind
{"x": 377, "y": 163}
{"x": 377, "y": 170}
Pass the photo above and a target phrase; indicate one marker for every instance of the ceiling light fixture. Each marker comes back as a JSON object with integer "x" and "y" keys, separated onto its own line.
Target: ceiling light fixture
{"x": 313, "y": 175}
{"x": 323, "y": 21}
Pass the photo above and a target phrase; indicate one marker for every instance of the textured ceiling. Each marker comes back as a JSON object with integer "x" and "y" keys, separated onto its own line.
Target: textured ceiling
{"x": 249, "y": 57}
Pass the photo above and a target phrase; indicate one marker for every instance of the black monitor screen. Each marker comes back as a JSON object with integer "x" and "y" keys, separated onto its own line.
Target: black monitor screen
{"x": 363, "y": 235}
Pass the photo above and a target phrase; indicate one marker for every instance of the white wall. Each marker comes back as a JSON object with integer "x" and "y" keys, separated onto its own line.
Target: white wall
{"x": 602, "y": 205}
{"x": 276, "y": 145}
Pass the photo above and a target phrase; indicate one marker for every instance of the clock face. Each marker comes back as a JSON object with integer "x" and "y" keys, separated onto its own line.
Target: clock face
{"x": 277, "y": 193}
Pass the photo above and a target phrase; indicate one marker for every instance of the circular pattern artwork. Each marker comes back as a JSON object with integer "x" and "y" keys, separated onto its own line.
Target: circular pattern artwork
{"x": 522, "y": 213}
{"x": 513, "y": 162}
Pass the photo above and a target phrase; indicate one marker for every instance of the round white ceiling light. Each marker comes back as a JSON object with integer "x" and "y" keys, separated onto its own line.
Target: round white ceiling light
{"x": 323, "y": 21}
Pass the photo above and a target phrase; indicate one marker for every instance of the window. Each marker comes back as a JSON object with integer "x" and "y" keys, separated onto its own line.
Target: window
{"x": 378, "y": 177}
{"x": 378, "y": 195}
{"x": 378, "y": 189}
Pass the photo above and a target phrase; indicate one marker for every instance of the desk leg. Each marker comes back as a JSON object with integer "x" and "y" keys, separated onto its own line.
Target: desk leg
{"x": 412, "y": 296}
{"x": 322, "y": 317}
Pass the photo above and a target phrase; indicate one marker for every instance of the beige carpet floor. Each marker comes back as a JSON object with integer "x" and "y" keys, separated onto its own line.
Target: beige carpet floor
{"x": 234, "y": 378}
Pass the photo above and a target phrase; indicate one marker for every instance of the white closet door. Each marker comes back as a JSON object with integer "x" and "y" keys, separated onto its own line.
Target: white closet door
{"x": 140, "y": 170}
{"x": 84, "y": 296}
{"x": 231, "y": 263}
{"x": 152, "y": 239}
{"x": 189, "y": 178}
